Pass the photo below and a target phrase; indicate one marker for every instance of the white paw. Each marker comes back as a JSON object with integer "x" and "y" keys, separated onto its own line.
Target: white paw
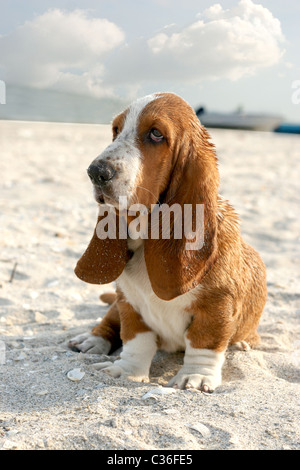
{"x": 197, "y": 381}
{"x": 201, "y": 370}
{"x": 122, "y": 369}
{"x": 135, "y": 358}
{"x": 90, "y": 344}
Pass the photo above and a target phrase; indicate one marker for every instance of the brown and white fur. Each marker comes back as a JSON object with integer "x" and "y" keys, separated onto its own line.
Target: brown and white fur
{"x": 200, "y": 301}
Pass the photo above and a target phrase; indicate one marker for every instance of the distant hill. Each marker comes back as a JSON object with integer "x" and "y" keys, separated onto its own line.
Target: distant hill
{"x": 29, "y": 104}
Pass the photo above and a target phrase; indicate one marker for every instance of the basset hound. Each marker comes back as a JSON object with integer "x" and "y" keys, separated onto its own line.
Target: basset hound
{"x": 169, "y": 297}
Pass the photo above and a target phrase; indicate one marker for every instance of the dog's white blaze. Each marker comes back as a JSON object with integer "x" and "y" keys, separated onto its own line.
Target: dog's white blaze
{"x": 124, "y": 153}
{"x": 131, "y": 122}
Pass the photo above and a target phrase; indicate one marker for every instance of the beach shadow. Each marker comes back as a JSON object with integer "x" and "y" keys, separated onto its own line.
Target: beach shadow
{"x": 287, "y": 372}
{"x": 165, "y": 366}
{"x": 88, "y": 311}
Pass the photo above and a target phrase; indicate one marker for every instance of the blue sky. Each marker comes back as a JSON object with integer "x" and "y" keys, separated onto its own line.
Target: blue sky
{"x": 220, "y": 54}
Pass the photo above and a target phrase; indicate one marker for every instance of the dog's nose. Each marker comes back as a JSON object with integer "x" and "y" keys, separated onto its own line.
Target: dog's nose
{"x": 101, "y": 173}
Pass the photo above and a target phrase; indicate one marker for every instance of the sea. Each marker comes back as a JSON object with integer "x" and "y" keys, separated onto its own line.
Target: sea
{"x": 30, "y": 104}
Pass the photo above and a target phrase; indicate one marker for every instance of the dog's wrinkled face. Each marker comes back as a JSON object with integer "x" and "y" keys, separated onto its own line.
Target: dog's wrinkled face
{"x": 160, "y": 158}
{"x": 137, "y": 164}
{"x": 115, "y": 173}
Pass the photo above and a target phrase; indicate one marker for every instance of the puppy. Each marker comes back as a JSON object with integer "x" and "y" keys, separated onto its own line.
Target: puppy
{"x": 198, "y": 293}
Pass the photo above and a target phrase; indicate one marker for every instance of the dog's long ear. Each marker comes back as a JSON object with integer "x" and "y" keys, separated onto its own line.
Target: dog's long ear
{"x": 104, "y": 259}
{"x": 172, "y": 268}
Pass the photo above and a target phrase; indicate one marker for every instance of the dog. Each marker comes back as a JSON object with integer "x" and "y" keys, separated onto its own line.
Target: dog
{"x": 169, "y": 297}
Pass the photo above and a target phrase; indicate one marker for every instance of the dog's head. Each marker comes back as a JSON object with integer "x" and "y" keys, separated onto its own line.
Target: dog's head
{"x": 160, "y": 153}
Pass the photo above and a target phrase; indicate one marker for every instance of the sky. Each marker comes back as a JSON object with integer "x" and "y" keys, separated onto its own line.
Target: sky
{"x": 222, "y": 54}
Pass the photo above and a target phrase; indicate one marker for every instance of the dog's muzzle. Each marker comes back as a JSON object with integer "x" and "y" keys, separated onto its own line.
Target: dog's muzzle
{"x": 101, "y": 173}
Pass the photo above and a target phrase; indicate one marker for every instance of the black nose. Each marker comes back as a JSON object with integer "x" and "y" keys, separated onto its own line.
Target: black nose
{"x": 101, "y": 173}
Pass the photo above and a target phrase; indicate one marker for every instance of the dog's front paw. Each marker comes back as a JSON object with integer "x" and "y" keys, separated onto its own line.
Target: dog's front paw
{"x": 135, "y": 358}
{"x": 121, "y": 368}
{"x": 90, "y": 344}
{"x": 196, "y": 381}
{"x": 201, "y": 370}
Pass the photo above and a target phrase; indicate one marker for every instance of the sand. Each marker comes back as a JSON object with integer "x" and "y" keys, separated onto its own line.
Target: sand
{"x": 47, "y": 214}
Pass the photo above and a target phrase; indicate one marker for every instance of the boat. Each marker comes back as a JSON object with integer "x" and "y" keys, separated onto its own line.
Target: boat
{"x": 287, "y": 128}
{"x": 239, "y": 120}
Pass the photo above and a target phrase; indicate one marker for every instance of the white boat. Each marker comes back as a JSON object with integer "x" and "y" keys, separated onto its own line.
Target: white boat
{"x": 239, "y": 120}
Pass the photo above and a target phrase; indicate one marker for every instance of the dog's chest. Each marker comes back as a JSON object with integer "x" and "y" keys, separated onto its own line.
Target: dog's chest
{"x": 169, "y": 319}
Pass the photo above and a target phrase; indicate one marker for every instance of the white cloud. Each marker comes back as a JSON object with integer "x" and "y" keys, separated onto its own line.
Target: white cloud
{"x": 218, "y": 44}
{"x": 60, "y": 49}
{"x": 73, "y": 52}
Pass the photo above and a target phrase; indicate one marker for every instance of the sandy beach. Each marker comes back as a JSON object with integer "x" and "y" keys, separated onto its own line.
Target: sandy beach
{"x": 47, "y": 214}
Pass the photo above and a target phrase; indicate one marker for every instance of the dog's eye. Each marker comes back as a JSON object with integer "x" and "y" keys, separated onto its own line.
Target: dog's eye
{"x": 156, "y": 136}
